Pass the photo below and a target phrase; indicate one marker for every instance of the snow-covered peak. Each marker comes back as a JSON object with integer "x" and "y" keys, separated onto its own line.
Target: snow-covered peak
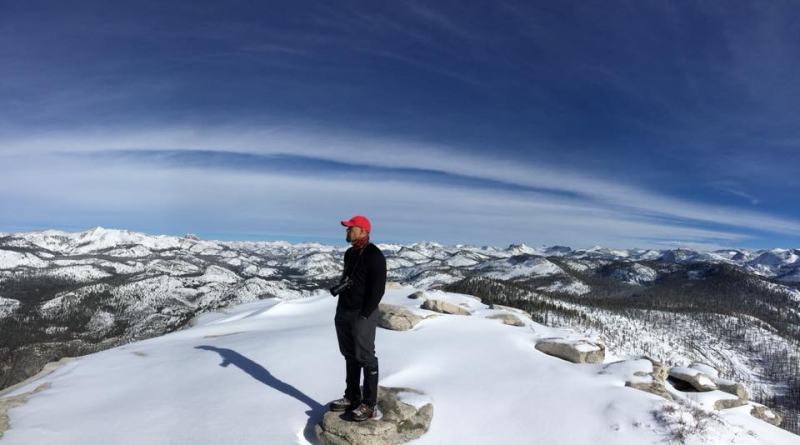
{"x": 598, "y": 252}
{"x": 427, "y": 248}
{"x": 522, "y": 249}
{"x": 645, "y": 254}
{"x": 776, "y": 257}
{"x": 680, "y": 255}
{"x": 389, "y": 247}
{"x": 428, "y": 245}
{"x": 99, "y": 238}
{"x": 558, "y": 250}
{"x": 94, "y": 240}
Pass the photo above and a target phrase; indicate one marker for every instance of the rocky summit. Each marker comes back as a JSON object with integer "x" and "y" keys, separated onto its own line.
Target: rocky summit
{"x": 407, "y": 415}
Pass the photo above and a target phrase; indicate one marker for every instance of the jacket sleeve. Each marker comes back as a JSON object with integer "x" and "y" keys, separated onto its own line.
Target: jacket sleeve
{"x": 375, "y": 284}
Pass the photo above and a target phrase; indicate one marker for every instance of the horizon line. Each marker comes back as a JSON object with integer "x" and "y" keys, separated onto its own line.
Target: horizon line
{"x": 316, "y": 240}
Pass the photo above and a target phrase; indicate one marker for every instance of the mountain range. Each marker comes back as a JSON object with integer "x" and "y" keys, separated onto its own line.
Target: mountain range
{"x": 74, "y": 293}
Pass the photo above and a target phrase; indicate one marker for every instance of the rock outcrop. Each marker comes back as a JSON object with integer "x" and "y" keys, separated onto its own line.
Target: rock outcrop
{"x": 407, "y": 415}
{"x": 764, "y": 413}
{"x": 643, "y": 373}
{"x": 518, "y": 312}
{"x": 509, "y": 319}
{"x": 732, "y": 387}
{"x": 575, "y": 351}
{"x": 420, "y": 294}
{"x": 657, "y": 378}
{"x": 398, "y": 318}
{"x": 684, "y": 378}
{"x": 444, "y": 307}
{"x": 715, "y": 392}
{"x": 729, "y": 386}
{"x": 730, "y": 401}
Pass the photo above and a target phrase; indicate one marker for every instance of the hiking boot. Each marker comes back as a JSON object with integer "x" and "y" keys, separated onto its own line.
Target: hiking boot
{"x": 364, "y": 412}
{"x": 343, "y": 404}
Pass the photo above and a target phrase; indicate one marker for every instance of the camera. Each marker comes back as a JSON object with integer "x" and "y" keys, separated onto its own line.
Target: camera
{"x": 341, "y": 287}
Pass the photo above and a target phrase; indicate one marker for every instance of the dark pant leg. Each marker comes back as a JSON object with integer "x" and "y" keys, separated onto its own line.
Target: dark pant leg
{"x": 364, "y": 334}
{"x": 344, "y": 333}
{"x": 353, "y": 380}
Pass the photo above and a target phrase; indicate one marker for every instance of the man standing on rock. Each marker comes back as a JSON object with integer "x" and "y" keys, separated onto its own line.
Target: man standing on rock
{"x": 357, "y": 319}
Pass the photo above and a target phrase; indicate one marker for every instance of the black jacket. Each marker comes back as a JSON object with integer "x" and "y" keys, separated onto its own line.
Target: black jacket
{"x": 367, "y": 270}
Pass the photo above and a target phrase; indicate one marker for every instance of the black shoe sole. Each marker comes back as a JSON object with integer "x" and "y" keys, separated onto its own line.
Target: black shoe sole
{"x": 341, "y": 409}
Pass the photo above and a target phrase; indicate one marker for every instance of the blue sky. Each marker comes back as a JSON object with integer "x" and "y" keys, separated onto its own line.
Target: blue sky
{"x": 623, "y": 124}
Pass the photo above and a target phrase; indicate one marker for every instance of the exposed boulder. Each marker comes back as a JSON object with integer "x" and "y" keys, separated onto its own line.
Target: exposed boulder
{"x": 764, "y": 413}
{"x": 660, "y": 370}
{"x": 518, "y": 312}
{"x": 657, "y": 377}
{"x": 708, "y": 400}
{"x": 685, "y": 378}
{"x": 420, "y": 294}
{"x": 407, "y": 415}
{"x": 643, "y": 373}
{"x": 509, "y": 319}
{"x": 444, "y": 307}
{"x": 393, "y": 285}
{"x": 397, "y": 318}
{"x": 728, "y": 386}
{"x": 575, "y": 351}
{"x": 732, "y": 387}
{"x": 726, "y": 403}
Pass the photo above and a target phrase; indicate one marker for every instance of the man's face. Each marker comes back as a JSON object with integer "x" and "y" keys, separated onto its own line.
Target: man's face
{"x": 355, "y": 233}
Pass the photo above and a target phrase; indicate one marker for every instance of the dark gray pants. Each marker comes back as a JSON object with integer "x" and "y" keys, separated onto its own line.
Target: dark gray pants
{"x": 357, "y": 344}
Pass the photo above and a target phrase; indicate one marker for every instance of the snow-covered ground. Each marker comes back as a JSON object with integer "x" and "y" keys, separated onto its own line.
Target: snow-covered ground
{"x": 263, "y": 372}
{"x": 7, "y": 306}
{"x": 531, "y": 267}
{"x": 572, "y": 287}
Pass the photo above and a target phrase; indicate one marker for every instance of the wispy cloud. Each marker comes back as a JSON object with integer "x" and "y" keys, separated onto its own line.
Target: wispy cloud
{"x": 542, "y": 203}
{"x": 306, "y": 205}
{"x": 734, "y": 189}
{"x": 441, "y": 21}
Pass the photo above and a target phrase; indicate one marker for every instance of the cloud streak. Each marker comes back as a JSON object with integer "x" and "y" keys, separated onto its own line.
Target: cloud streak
{"x": 291, "y": 205}
{"x": 507, "y": 201}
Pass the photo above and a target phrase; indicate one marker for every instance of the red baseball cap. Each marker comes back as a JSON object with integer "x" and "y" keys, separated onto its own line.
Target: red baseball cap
{"x": 358, "y": 221}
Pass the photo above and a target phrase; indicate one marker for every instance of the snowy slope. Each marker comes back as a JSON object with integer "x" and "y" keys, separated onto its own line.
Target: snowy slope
{"x": 7, "y": 306}
{"x": 262, "y": 372}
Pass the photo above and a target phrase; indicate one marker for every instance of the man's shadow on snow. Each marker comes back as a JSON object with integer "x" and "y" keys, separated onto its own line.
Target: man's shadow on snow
{"x": 258, "y": 372}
